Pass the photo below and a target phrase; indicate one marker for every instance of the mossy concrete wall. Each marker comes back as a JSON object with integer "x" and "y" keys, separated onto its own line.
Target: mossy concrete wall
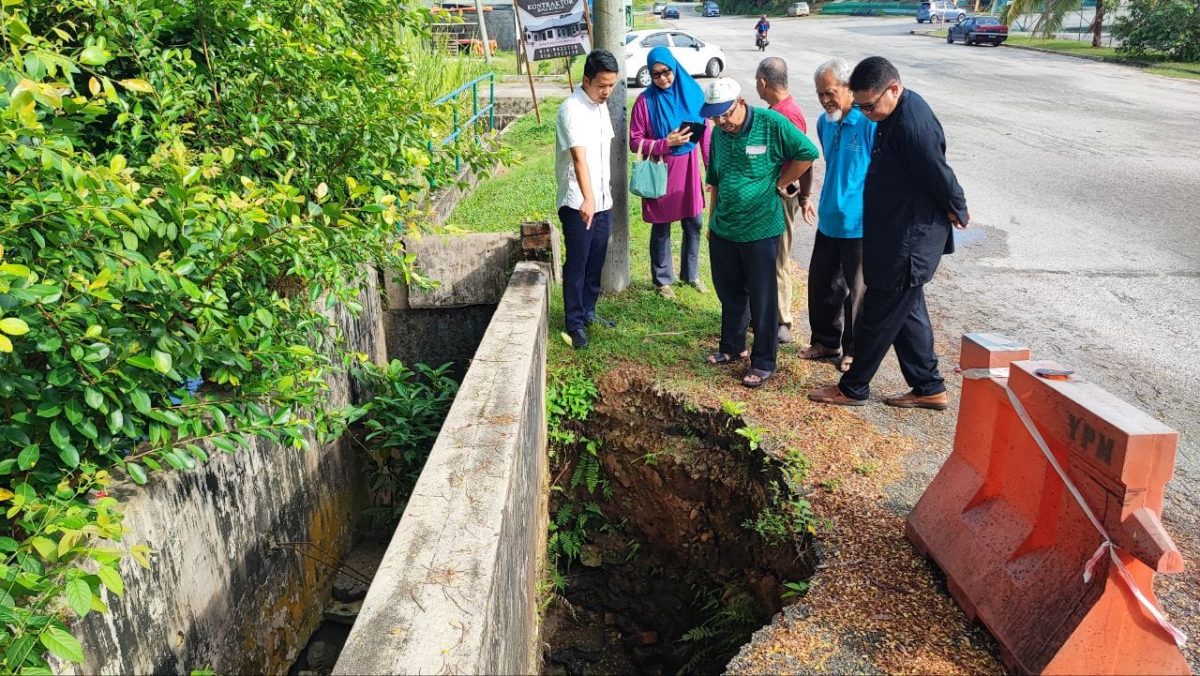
{"x": 455, "y": 592}
{"x": 235, "y": 584}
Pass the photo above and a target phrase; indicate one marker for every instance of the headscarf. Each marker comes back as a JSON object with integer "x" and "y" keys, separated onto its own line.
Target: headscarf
{"x": 671, "y": 107}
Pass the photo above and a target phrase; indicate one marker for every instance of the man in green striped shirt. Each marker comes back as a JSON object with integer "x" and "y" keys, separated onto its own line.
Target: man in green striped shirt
{"x": 754, "y": 157}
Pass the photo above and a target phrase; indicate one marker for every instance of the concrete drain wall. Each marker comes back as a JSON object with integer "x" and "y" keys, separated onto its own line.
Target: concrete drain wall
{"x": 230, "y": 587}
{"x": 455, "y": 591}
{"x": 446, "y": 323}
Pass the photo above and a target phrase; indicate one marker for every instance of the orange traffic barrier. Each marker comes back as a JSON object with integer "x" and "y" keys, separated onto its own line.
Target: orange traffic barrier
{"x": 1051, "y": 476}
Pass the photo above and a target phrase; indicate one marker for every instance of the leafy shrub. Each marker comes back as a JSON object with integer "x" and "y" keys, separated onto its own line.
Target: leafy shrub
{"x": 1160, "y": 27}
{"x": 189, "y": 188}
{"x": 403, "y": 419}
{"x": 570, "y": 395}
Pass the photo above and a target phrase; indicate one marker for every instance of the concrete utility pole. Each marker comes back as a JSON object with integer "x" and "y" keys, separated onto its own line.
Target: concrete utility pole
{"x": 483, "y": 36}
{"x": 609, "y": 28}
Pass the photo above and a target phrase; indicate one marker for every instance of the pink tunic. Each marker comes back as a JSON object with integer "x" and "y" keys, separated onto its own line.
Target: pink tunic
{"x": 685, "y": 192}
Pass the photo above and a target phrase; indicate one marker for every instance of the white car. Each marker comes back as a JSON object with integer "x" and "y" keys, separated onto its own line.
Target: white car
{"x": 798, "y": 9}
{"x": 691, "y": 52}
{"x": 658, "y": 8}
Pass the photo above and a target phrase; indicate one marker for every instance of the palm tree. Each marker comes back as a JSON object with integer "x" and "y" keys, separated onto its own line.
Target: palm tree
{"x": 1050, "y": 15}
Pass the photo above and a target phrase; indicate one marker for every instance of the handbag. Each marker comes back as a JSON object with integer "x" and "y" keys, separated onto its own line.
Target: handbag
{"x": 649, "y": 177}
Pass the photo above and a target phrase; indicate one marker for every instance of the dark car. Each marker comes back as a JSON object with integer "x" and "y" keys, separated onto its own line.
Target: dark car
{"x": 711, "y": 9}
{"x": 976, "y": 29}
{"x": 671, "y": 12}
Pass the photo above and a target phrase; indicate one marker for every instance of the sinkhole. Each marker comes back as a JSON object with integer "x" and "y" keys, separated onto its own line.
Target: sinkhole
{"x": 674, "y": 535}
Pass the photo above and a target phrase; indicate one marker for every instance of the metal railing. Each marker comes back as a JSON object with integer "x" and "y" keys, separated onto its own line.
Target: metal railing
{"x": 477, "y": 114}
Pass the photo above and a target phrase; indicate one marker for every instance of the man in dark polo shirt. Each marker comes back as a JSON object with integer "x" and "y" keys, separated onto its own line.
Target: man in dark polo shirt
{"x": 753, "y": 156}
{"x": 911, "y": 202}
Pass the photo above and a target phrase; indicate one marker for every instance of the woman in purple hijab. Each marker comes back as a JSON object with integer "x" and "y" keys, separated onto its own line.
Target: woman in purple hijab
{"x": 672, "y": 99}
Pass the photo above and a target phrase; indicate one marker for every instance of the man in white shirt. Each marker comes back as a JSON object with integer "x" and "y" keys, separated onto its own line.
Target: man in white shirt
{"x": 581, "y": 165}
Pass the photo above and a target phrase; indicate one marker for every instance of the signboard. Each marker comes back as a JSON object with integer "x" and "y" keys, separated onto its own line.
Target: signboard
{"x": 553, "y": 29}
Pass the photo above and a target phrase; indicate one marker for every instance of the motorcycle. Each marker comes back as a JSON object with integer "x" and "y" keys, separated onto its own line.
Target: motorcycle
{"x": 761, "y": 42}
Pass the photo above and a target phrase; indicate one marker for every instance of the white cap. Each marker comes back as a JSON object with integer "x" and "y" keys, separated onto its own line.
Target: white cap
{"x": 719, "y": 95}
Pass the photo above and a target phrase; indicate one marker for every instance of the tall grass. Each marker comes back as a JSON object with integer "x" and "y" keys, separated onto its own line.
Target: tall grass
{"x": 440, "y": 73}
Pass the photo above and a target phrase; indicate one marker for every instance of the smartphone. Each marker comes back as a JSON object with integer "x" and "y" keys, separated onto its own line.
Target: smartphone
{"x": 697, "y": 129}
{"x": 1054, "y": 374}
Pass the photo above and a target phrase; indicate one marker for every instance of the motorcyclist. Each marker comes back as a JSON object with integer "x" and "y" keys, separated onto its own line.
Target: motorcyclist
{"x": 762, "y": 26}
{"x": 760, "y": 31}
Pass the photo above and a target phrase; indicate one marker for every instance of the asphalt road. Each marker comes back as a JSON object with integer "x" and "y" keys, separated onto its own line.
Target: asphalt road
{"x": 1082, "y": 180}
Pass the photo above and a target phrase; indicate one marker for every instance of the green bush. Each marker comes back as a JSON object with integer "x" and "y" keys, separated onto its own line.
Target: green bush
{"x": 402, "y": 420}
{"x": 1168, "y": 28}
{"x": 189, "y": 187}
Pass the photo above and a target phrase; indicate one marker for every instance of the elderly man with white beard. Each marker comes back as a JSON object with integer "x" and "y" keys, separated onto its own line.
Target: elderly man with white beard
{"x": 835, "y": 279}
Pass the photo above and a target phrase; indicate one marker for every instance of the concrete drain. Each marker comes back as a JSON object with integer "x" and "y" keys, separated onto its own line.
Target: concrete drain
{"x": 675, "y": 539}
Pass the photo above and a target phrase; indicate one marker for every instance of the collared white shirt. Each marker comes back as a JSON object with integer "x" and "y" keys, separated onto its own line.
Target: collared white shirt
{"x": 583, "y": 123}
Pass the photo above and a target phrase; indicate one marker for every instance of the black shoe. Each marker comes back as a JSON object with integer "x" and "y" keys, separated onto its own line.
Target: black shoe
{"x": 579, "y": 339}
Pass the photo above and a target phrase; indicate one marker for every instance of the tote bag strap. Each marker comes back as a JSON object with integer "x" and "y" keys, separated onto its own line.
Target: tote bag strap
{"x": 652, "y": 158}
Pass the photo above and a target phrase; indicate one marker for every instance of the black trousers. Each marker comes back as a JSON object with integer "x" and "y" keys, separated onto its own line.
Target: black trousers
{"x": 585, "y": 252}
{"x": 894, "y": 318}
{"x": 743, "y": 275}
{"x": 835, "y": 292}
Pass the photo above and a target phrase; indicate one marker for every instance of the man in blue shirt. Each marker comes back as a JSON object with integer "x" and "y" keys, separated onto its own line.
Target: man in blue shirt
{"x": 835, "y": 280}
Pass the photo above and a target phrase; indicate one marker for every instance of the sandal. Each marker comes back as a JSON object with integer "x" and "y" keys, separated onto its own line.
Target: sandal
{"x": 720, "y": 358}
{"x": 818, "y": 352}
{"x": 846, "y": 362}
{"x": 756, "y": 377}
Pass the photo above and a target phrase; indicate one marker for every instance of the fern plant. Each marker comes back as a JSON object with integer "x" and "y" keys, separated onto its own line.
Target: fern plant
{"x": 727, "y": 626}
{"x": 569, "y": 531}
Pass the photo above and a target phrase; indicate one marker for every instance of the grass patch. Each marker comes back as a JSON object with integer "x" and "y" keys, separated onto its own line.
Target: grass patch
{"x": 646, "y": 20}
{"x": 504, "y": 64}
{"x": 652, "y": 330}
{"x": 1152, "y": 63}
{"x": 1074, "y": 47}
{"x": 1179, "y": 69}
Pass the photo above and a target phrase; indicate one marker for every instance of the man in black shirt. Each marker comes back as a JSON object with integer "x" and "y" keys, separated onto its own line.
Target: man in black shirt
{"x": 911, "y": 201}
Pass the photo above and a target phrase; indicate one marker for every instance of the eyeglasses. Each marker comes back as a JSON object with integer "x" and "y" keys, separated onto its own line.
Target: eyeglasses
{"x": 727, "y": 114}
{"x": 656, "y": 74}
{"x": 868, "y": 107}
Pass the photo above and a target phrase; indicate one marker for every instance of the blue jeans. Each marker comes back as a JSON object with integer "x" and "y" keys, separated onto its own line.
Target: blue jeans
{"x": 660, "y": 252}
{"x": 585, "y": 252}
